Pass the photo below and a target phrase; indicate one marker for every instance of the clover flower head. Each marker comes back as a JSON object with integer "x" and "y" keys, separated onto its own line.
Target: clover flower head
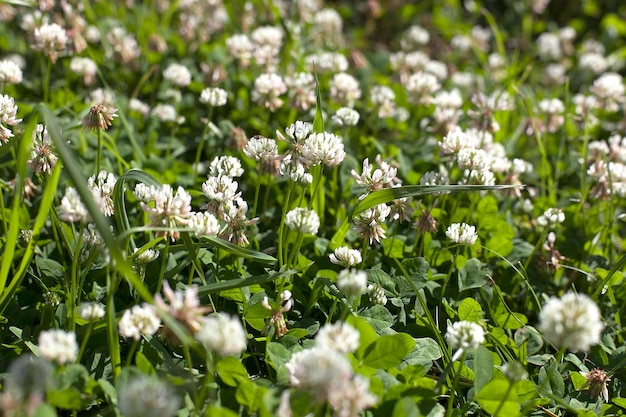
{"x": 222, "y": 334}
{"x": 215, "y": 97}
{"x": 572, "y": 321}
{"x": 352, "y": 282}
{"x": 463, "y": 335}
{"x": 462, "y": 233}
{"x": 338, "y": 336}
{"x": 303, "y": 220}
{"x": 139, "y": 320}
{"x": 58, "y": 345}
{"x": 177, "y": 74}
{"x": 346, "y": 257}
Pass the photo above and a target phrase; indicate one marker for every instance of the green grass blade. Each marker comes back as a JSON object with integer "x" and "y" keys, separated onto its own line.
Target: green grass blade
{"x": 23, "y": 150}
{"x": 239, "y": 251}
{"x": 80, "y": 183}
{"x": 218, "y": 287}
{"x": 45, "y": 205}
{"x": 318, "y": 121}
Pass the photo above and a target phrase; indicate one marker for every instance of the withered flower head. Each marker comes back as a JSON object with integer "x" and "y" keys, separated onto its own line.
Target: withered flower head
{"x": 99, "y": 117}
{"x": 596, "y": 382}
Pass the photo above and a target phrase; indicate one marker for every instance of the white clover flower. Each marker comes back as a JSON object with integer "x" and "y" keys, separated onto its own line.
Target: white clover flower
{"x": 183, "y": 306}
{"x": 572, "y": 321}
{"x": 143, "y": 193}
{"x": 464, "y": 335}
{"x": 339, "y": 336}
{"x": 215, "y": 97}
{"x": 221, "y": 188}
{"x": 91, "y": 311}
{"x": 294, "y": 171}
{"x": 177, "y": 74}
{"x": 267, "y": 89}
{"x": 344, "y": 88}
{"x": 323, "y": 148}
{"x": 10, "y": 73}
{"x": 326, "y": 62}
{"x": 303, "y": 220}
{"x": 383, "y": 98}
{"x": 147, "y": 396}
{"x": 225, "y": 165}
{"x": 222, "y": 334}
{"x": 170, "y": 210}
{"x": 369, "y": 223}
{"x": 50, "y": 39}
{"x": 351, "y": 397}
{"x": 609, "y": 90}
{"x": 377, "y": 294}
{"x": 147, "y": 256}
{"x": 421, "y": 86}
{"x": 345, "y": 116}
{"x": 203, "y": 224}
{"x": 42, "y": 158}
{"x": 312, "y": 370}
{"x": 85, "y": 67}
{"x": 301, "y": 90}
{"x": 101, "y": 97}
{"x": 139, "y": 320}
{"x": 240, "y": 47}
{"x": 473, "y": 159}
{"x": 102, "y": 187}
{"x": 165, "y": 113}
{"x": 8, "y": 110}
{"x": 414, "y": 37}
{"x": 298, "y": 131}
{"x": 462, "y": 233}
{"x": 138, "y": 106}
{"x": 92, "y": 237}
{"x": 455, "y": 140}
{"x": 261, "y": 149}
{"x": 551, "y": 217}
{"x": 345, "y": 256}
{"x": 72, "y": 208}
{"x": 352, "y": 282}
{"x": 58, "y": 345}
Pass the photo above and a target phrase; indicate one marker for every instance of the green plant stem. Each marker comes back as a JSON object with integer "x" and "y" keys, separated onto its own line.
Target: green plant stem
{"x": 503, "y": 401}
{"x": 75, "y": 279}
{"x": 295, "y": 250}
{"x": 46, "y": 80}
{"x": 131, "y": 352}
{"x": 83, "y": 343}
{"x": 455, "y": 385}
{"x": 452, "y": 262}
{"x": 99, "y": 151}
{"x": 281, "y": 227}
{"x": 165, "y": 255}
{"x": 203, "y": 139}
{"x": 257, "y": 191}
{"x": 112, "y": 333}
{"x": 208, "y": 382}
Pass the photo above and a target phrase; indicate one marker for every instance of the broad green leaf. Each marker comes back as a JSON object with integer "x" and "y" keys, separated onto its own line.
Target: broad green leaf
{"x": 470, "y": 310}
{"x": 578, "y": 380}
{"x": 499, "y": 244}
{"x": 72, "y": 375}
{"x": 217, "y": 411}
{"x": 426, "y": 351}
{"x": 44, "y": 410}
{"x": 508, "y": 319}
{"x": 66, "y": 399}
{"x": 250, "y": 395}
{"x": 378, "y": 316}
{"x": 621, "y": 402}
{"x": 472, "y": 275}
{"x": 483, "y": 367}
{"x": 144, "y": 364}
{"x": 406, "y": 407}
{"x": 388, "y": 351}
{"x": 367, "y": 334}
{"x": 499, "y": 399}
{"x": 277, "y": 355}
{"x": 231, "y": 371}
{"x": 109, "y": 391}
{"x": 551, "y": 381}
{"x": 417, "y": 271}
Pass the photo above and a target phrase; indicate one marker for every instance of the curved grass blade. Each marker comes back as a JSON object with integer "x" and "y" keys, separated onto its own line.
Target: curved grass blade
{"x": 80, "y": 183}
{"x": 23, "y": 150}
{"x": 218, "y": 287}
{"x": 389, "y": 194}
{"x": 240, "y": 251}
{"x": 119, "y": 202}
